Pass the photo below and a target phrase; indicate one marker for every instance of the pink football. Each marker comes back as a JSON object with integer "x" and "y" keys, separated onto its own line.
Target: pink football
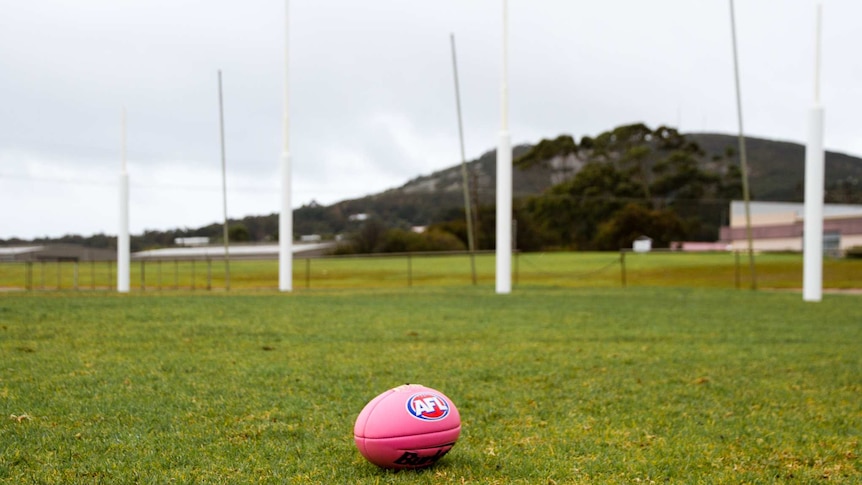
{"x": 410, "y": 426}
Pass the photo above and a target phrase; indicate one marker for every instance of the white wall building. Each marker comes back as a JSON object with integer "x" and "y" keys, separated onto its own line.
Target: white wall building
{"x": 778, "y": 226}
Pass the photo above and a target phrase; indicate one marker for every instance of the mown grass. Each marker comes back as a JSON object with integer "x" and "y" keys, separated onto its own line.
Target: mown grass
{"x": 576, "y": 270}
{"x": 554, "y": 385}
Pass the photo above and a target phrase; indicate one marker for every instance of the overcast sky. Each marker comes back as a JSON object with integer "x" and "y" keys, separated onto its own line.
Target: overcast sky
{"x": 371, "y": 93}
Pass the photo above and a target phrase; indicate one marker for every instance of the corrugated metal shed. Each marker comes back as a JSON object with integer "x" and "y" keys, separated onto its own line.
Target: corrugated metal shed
{"x": 245, "y": 251}
{"x": 56, "y": 252}
{"x": 18, "y": 253}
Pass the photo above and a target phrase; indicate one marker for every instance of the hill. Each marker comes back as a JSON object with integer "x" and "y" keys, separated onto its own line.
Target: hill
{"x": 777, "y": 168}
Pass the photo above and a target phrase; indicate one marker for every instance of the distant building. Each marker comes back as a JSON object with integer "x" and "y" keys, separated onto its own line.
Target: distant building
{"x": 643, "y": 244}
{"x": 56, "y": 252}
{"x": 778, "y": 226}
{"x": 235, "y": 251}
{"x": 192, "y": 241}
{"x": 699, "y": 246}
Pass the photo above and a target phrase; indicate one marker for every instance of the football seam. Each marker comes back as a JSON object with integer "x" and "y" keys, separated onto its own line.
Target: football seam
{"x": 412, "y": 434}
{"x": 370, "y": 412}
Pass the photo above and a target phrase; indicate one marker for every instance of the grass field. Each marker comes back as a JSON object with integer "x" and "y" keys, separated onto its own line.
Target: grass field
{"x": 567, "y": 269}
{"x": 554, "y": 385}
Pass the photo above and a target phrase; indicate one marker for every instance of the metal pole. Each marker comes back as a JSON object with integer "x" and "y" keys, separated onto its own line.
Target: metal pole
{"x": 504, "y": 177}
{"x": 285, "y": 219}
{"x": 465, "y": 181}
{"x": 223, "y": 185}
{"x": 742, "y": 154}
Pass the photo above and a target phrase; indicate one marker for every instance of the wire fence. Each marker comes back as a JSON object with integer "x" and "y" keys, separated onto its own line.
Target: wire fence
{"x": 561, "y": 269}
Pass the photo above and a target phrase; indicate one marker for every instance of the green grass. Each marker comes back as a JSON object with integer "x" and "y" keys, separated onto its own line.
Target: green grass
{"x": 554, "y": 385}
{"x": 581, "y": 270}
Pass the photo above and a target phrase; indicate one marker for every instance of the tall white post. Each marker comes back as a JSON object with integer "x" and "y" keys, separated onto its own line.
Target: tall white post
{"x": 225, "y": 232}
{"x": 123, "y": 246}
{"x": 504, "y": 177}
{"x": 812, "y": 271}
{"x": 285, "y": 219}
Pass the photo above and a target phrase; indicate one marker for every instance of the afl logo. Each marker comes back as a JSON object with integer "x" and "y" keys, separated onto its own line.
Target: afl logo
{"x": 427, "y": 406}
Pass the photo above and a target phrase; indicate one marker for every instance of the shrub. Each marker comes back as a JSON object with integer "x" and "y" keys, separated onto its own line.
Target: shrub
{"x": 854, "y": 253}
{"x": 400, "y": 240}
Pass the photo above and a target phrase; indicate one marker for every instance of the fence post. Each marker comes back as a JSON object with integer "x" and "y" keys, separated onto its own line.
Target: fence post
{"x": 409, "y": 270}
{"x": 517, "y": 265}
{"x": 28, "y": 277}
{"x": 737, "y": 275}
{"x": 623, "y": 267}
{"x": 307, "y": 273}
{"x": 143, "y": 275}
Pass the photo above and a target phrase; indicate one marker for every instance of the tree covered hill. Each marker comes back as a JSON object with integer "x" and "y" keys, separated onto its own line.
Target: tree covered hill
{"x": 776, "y": 169}
{"x": 689, "y": 179}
